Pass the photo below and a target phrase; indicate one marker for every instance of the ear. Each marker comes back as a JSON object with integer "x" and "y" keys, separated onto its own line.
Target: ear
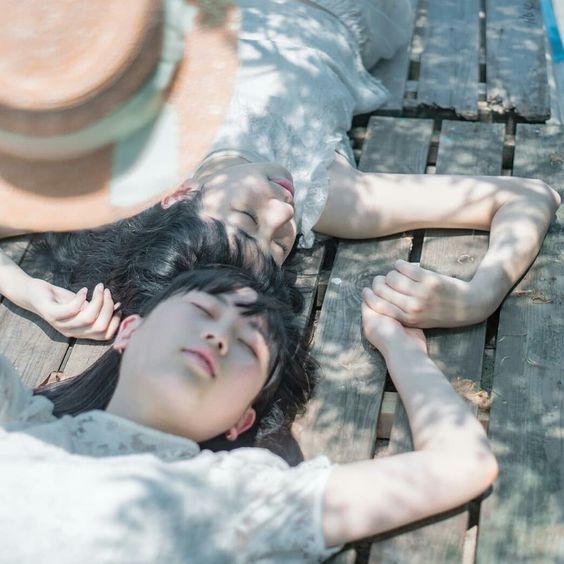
{"x": 181, "y": 193}
{"x": 126, "y": 328}
{"x": 246, "y": 421}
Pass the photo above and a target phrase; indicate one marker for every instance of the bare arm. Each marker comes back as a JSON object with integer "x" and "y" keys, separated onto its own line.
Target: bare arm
{"x": 68, "y": 312}
{"x": 452, "y": 462}
{"x": 516, "y": 211}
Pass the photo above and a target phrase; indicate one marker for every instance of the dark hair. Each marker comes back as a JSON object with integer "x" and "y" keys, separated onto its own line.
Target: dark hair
{"x": 293, "y": 371}
{"x": 137, "y": 257}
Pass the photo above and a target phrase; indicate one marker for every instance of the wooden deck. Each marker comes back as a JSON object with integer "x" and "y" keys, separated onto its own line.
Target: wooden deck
{"x": 481, "y": 60}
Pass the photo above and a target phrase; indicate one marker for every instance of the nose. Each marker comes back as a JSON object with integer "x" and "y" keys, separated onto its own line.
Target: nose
{"x": 276, "y": 215}
{"x": 218, "y": 340}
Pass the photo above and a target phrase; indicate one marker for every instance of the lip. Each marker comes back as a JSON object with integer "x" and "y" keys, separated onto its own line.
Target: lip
{"x": 285, "y": 183}
{"x": 204, "y": 360}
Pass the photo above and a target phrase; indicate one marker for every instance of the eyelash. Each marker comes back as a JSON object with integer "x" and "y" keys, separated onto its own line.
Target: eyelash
{"x": 249, "y": 347}
{"x": 250, "y": 215}
{"x": 203, "y": 309}
{"x": 244, "y": 343}
{"x": 282, "y": 246}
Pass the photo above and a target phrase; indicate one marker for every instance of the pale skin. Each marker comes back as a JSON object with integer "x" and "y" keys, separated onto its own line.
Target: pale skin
{"x": 162, "y": 373}
{"x": 193, "y": 367}
{"x": 516, "y": 211}
{"x": 70, "y": 313}
{"x": 452, "y": 461}
{"x": 361, "y": 205}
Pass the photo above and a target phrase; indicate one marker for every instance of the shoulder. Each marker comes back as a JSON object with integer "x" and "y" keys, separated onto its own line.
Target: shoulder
{"x": 278, "y": 509}
{"x": 17, "y": 402}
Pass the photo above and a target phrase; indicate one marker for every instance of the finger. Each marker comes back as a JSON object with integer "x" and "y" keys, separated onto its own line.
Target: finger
{"x": 62, "y": 312}
{"x": 383, "y": 307}
{"x": 410, "y": 269}
{"x": 105, "y": 315}
{"x": 403, "y": 284}
{"x": 112, "y": 327}
{"x": 402, "y": 301}
{"x": 378, "y": 281}
{"x": 90, "y": 313}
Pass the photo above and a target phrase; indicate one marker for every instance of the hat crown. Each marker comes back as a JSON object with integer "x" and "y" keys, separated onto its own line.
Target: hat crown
{"x": 60, "y": 55}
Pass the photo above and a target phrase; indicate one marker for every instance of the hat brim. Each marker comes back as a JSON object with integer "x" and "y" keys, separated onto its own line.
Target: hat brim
{"x": 81, "y": 192}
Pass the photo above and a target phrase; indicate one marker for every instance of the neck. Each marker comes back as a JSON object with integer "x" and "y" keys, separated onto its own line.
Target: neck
{"x": 224, "y": 158}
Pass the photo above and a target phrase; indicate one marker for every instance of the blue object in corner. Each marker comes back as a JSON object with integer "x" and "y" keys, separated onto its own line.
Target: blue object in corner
{"x": 552, "y": 31}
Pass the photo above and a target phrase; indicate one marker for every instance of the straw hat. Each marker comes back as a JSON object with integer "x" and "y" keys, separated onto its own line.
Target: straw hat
{"x": 105, "y": 105}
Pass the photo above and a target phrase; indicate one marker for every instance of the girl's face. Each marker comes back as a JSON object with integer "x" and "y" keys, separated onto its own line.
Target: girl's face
{"x": 256, "y": 198}
{"x": 194, "y": 366}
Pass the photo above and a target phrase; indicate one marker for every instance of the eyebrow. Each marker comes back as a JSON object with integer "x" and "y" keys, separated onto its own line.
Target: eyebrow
{"x": 242, "y": 305}
{"x": 246, "y": 235}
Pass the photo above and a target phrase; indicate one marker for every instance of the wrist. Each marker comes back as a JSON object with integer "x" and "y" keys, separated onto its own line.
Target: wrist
{"x": 403, "y": 350}
{"x": 17, "y": 288}
{"x": 25, "y": 294}
{"x": 484, "y": 296}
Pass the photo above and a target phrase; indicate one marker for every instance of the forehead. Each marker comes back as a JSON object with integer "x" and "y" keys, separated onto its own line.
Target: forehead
{"x": 238, "y": 297}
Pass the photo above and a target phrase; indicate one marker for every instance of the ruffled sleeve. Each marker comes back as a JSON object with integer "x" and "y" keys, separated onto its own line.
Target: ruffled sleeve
{"x": 17, "y": 403}
{"x": 266, "y": 511}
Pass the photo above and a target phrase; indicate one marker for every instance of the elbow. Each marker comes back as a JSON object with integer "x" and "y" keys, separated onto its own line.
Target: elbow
{"x": 483, "y": 471}
{"x": 489, "y": 470}
{"x": 471, "y": 472}
{"x": 547, "y": 193}
{"x": 535, "y": 191}
{"x": 552, "y": 196}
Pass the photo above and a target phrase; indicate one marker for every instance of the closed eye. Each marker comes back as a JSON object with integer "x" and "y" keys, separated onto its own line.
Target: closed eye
{"x": 206, "y": 311}
{"x": 249, "y": 347}
{"x": 250, "y": 215}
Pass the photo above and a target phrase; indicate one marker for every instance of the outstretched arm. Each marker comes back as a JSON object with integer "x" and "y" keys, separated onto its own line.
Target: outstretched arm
{"x": 69, "y": 313}
{"x": 451, "y": 464}
{"x": 516, "y": 211}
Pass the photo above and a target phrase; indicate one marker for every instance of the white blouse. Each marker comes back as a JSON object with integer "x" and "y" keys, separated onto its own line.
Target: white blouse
{"x": 97, "y": 488}
{"x": 302, "y": 76}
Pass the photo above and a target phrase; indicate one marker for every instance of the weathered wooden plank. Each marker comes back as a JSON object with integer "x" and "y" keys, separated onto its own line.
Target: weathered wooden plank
{"x": 82, "y": 355}
{"x": 394, "y": 72}
{"x": 396, "y": 145}
{"x": 464, "y": 148}
{"x": 305, "y": 265}
{"x": 516, "y": 73}
{"x": 449, "y": 72}
{"x": 523, "y": 520}
{"x": 342, "y": 420}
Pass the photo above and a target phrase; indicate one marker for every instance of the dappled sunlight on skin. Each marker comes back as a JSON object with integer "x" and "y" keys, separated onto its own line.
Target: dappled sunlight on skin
{"x": 250, "y": 198}
{"x": 514, "y": 210}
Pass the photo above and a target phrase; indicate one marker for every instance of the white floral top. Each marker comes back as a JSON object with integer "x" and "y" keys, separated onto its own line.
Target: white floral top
{"x": 97, "y": 488}
{"x": 302, "y": 76}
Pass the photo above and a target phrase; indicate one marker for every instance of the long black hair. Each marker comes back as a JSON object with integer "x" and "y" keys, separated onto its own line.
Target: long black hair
{"x": 292, "y": 375}
{"x": 138, "y": 256}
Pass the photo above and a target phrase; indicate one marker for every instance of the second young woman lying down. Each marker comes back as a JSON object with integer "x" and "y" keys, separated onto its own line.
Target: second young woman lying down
{"x": 282, "y": 164}
{"x": 205, "y": 361}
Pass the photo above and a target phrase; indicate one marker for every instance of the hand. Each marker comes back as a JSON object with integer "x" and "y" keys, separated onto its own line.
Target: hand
{"x": 71, "y": 314}
{"x": 421, "y": 298}
{"x": 383, "y": 331}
